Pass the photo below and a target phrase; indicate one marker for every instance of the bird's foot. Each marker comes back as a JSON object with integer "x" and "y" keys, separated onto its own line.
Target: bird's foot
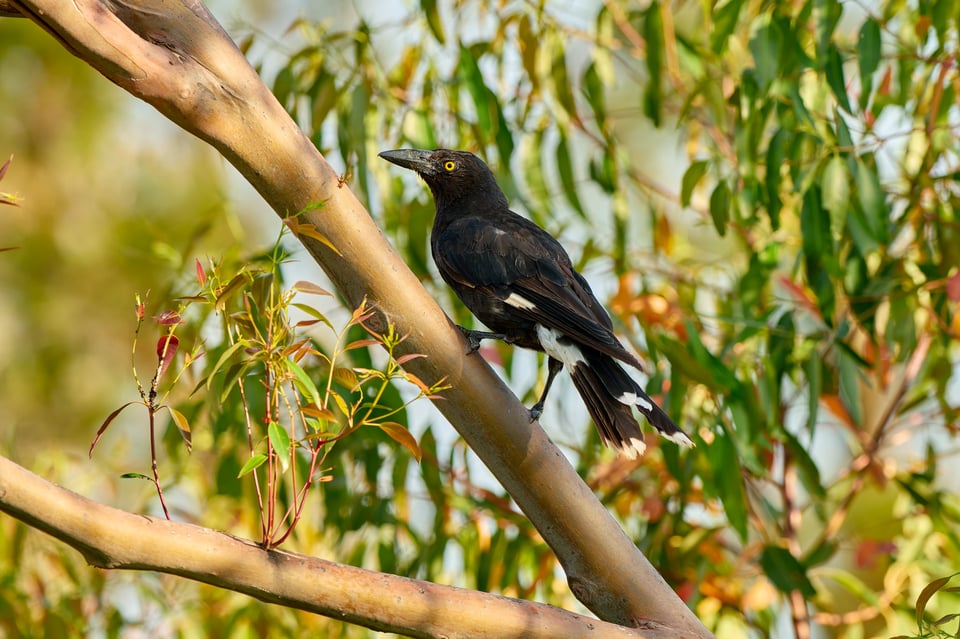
{"x": 475, "y": 337}
{"x": 536, "y": 411}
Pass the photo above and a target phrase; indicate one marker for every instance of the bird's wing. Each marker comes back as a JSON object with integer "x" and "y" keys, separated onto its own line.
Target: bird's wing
{"x": 526, "y": 268}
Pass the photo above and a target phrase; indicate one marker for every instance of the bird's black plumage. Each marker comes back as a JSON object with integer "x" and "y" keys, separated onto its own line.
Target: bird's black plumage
{"x": 519, "y": 281}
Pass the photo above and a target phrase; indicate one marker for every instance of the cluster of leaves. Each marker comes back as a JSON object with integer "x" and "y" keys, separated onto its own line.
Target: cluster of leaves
{"x": 809, "y": 335}
{"x": 263, "y": 368}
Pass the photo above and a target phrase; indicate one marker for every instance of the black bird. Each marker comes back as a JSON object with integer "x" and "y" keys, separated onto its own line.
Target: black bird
{"x": 519, "y": 281}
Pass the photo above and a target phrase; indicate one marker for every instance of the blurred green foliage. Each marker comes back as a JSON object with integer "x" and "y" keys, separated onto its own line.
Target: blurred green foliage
{"x": 766, "y": 193}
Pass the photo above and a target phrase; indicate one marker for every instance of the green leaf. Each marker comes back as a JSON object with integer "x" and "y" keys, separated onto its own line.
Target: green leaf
{"x": 720, "y": 207}
{"x": 472, "y": 78}
{"x": 280, "y": 440}
{"x": 593, "y": 90}
{"x": 429, "y": 8}
{"x": 785, "y": 572}
{"x": 653, "y": 34}
{"x": 720, "y": 378}
{"x": 815, "y": 227}
{"x": 849, "y": 373}
{"x": 283, "y": 86}
{"x": 806, "y": 467}
{"x": 728, "y": 482}
{"x": 604, "y": 173}
{"x": 136, "y": 476}
{"x": 252, "y": 464}
{"x": 844, "y": 139}
{"x": 559, "y": 81}
{"x": 324, "y": 94}
{"x": 565, "y": 169}
{"x": 820, "y": 554}
{"x": 303, "y": 382}
{"x": 724, "y": 22}
{"x": 765, "y": 45}
{"x": 776, "y": 157}
{"x": 234, "y": 285}
{"x": 529, "y": 48}
{"x": 868, "y": 49}
{"x": 835, "y": 194}
{"x": 835, "y": 77}
{"x": 872, "y": 200}
{"x": 692, "y": 177}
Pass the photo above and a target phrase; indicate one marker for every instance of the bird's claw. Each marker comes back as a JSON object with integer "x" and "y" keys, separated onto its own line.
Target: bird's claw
{"x": 535, "y": 411}
{"x": 475, "y": 337}
{"x": 473, "y": 342}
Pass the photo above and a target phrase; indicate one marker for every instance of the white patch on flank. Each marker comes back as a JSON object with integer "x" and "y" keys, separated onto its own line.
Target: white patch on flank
{"x": 516, "y": 301}
{"x": 633, "y": 448}
{"x": 632, "y": 399}
{"x": 569, "y": 354}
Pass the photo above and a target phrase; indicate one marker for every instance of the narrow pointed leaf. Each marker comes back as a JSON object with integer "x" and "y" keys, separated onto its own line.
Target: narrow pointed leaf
{"x": 402, "y": 436}
{"x": 106, "y": 424}
{"x": 183, "y": 425}
{"x": 929, "y": 591}
{"x": 303, "y": 382}
{"x": 252, "y": 464}
{"x": 280, "y": 440}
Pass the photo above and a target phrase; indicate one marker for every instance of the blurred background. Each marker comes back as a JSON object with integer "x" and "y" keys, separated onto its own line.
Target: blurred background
{"x": 765, "y": 196}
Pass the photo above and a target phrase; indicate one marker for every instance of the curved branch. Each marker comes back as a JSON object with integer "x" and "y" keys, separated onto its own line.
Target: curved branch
{"x": 176, "y": 57}
{"x": 111, "y": 538}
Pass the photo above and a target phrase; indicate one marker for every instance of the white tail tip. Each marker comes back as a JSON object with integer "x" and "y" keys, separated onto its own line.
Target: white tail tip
{"x": 633, "y": 448}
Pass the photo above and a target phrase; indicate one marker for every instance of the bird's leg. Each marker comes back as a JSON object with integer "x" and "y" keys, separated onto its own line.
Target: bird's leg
{"x": 553, "y": 367}
{"x": 474, "y": 337}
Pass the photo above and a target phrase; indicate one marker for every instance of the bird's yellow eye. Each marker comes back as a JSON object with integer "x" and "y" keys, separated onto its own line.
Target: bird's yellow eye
{"x": 449, "y": 166}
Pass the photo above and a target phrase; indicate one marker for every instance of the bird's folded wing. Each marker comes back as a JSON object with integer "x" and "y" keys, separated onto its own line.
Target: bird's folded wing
{"x": 526, "y": 268}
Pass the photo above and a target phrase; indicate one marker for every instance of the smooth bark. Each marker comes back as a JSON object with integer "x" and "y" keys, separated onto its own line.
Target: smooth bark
{"x": 115, "y": 539}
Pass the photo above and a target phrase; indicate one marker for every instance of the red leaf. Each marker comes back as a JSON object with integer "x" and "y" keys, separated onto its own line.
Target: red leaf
{"x": 168, "y": 318}
{"x": 402, "y": 436}
{"x": 201, "y": 274}
{"x": 869, "y": 550}
{"x": 309, "y": 287}
{"x": 403, "y": 359}
{"x": 6, "y": 165}
{"x": 953, "y": 287}
{"x": 166, "y": 350}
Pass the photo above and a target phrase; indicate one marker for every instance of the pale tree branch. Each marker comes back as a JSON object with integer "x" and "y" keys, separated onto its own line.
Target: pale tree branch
{"x": 115, "y": 539}
{"x": 174, "y": 55}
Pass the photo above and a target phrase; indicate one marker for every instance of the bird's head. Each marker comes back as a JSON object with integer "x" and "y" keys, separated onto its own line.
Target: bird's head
{"x": 451, "y": 175}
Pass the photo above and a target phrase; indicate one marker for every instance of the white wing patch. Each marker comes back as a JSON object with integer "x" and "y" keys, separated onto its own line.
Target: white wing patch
{"x": 517, "y": 301}
{"x": 568, "y": 353}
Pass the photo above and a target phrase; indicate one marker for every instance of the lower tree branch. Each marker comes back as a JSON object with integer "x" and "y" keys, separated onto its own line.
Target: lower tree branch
{"x": 115, "y": 539}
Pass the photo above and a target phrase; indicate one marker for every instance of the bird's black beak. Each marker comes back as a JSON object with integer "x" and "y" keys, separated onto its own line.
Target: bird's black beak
{"x": 413, "y": 159}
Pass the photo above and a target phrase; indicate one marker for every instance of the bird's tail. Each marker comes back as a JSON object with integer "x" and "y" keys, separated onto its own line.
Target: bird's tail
{"x": 609, "y": 394}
